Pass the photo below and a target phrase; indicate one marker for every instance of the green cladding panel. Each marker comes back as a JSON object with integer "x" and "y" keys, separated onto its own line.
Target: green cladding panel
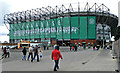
{"x": 53, "y": 28}
{"x": 47, "y": 28}
{"x": 74, "y": 28}
{"x": 15, "y": 31}
{"x": 11, "y": 31}
{"x": 42, "y": 29}
{"x": 59, "y": 28}
{"x": 23, "y": 30}
{"x": 37, "y": 25}
{"x": 83, "y": 27}
{"x": 19, "y": 31}
{"x": 32, "y": 30}
{"x": 27, "y": 30}
{"x": 66, "y": 28}
{"x": 91, "y": 27}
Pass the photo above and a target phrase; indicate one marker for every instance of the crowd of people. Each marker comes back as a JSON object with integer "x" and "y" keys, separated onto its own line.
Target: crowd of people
{"x": 6, "y": 52}
{"x": 75, "y": 47}
{"x": 33, "y": 52}
{"x": 56, "y": 55}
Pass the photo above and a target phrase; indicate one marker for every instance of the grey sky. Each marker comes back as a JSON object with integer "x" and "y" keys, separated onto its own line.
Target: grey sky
{"x": 4, "y": 9}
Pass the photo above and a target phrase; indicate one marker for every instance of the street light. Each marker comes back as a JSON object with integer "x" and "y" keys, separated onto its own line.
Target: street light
{"x": 118, "y": 58}
{"x": 112, "y": 39}
{"x": 103, "y": 25}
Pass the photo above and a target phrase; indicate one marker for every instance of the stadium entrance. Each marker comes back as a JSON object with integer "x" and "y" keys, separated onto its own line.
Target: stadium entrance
{"x": 63, "y": 42}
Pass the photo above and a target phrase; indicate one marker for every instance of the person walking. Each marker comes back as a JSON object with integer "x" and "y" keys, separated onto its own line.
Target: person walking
{"x": 70, "y": 47}
{"x": 36, "y": 53}
{"x": 4, "y": 53}
{"x": 41, "y": 56}
{"x": 8, "y": 52}
{"x": 75, "y": 47}
{"x": 55, "y": 56}
{"x": 24, "y": 51}
{"x": 30, "y": 50}
{"x": 44, "y": 47}
{"x": 79, "y": 46}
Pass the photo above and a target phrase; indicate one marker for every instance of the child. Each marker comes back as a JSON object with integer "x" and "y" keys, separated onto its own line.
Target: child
{"x": 73, "y": 48}
{"x": 79, "y": 47}
{"x": 41, "y": 54}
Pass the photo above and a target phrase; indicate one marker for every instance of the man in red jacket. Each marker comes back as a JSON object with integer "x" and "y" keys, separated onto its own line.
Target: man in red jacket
{"x": 56, "y": 55}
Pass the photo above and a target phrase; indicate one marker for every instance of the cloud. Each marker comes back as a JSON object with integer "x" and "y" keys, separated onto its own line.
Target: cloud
{"x": 3, "y": 33}
{"x": 4, "y": 9}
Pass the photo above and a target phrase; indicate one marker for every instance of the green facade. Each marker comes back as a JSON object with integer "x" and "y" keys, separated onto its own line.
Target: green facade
{"x": 66, "y": 28}
{"x": 74, "y": 28}
{"x": 53, "y": 29}
{"x": 47, "y": 28}
{"x": 59, "y": 28}
{"x": 91, "y": 28}
{"x": 82, "y": 27}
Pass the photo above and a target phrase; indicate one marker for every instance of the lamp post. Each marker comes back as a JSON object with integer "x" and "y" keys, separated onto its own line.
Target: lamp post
{"x": 113, "y": 53}
{"x": 103, "y": 25}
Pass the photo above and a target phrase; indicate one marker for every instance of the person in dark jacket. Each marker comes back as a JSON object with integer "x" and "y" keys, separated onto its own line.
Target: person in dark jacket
{"x": 75, "y": 47}
{"x": 36, "y": 53}
{"x": 24, "y": 51}
{"x": 55, "y": 56}
{"x": 70, "y": 47}
{"x": 8, "y": 52}
{"x": 44, "y": 47}
{"x": 4, "y": 53}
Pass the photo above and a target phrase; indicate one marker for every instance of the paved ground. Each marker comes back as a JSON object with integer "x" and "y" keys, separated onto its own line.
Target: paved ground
{"x": 83, "y": 60}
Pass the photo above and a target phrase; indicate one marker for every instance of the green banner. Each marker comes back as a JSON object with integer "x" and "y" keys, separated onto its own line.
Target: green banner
{"x": 74, "y": 28}
{"x": 27, "y": 24}
{"x": 32, "y": 30}
{"x": 11, "y": 31}
{"x": 15, "y": 31}
{"x": 23, "y": 30}
{"x": 37, "y": 29}
{"x": 56, "y": 28}
{"x": 91, "y": 27}
{"x": 42, "y": 30}
{"x": 18, "y": 31}
{"x": 66, "y": 28}
{"x": 59, "y": 28}
{"x": 53, "y": 28}
{"x": 47, "y": 29}
{"x": 83, "y": 27}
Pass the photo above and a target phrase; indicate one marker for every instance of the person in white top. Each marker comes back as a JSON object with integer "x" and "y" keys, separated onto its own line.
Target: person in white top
{"x": 8, "y": 52}
{"x": 30, "y": 50}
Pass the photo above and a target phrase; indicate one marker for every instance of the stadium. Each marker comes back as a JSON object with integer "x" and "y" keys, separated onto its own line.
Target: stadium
{"x": 65, "y": 24}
